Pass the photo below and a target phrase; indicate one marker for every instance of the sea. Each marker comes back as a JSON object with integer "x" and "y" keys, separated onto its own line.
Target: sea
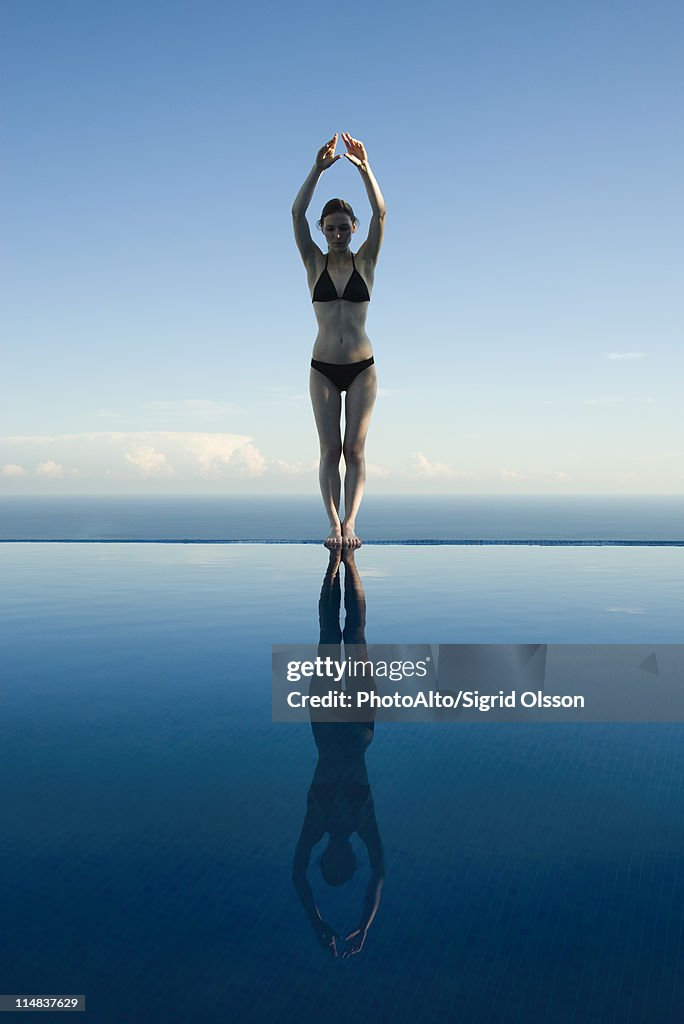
{"x": 299, "y": 519}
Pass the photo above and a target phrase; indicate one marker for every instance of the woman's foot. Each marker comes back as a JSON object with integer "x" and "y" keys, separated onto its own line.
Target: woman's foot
{"x": 349, "y": 538}
{"x": 334, "y": 538}
{"x": 347, "y": 555}
{"x": 332, "y": 572}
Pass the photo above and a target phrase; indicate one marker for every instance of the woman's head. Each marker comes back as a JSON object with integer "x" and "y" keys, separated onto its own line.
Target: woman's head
{"x": 338, "y": 861}
{"x": 338, "y": 222}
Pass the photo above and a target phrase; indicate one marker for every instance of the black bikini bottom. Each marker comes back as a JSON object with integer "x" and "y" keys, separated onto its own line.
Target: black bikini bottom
{"x": 342, "y": 374}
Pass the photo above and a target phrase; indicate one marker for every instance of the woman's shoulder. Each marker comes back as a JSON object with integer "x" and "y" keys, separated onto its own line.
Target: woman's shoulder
{"x": 365, "y": 266}
{"x": 362, "y": 257}
{"x": 315, "y": 265}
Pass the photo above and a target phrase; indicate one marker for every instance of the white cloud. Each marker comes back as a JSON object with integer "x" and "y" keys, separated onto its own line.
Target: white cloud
{"x": 50, "y": 469}
{"x": 422, "y": 466}
{"x": 376, "y": 472}
{"x": 625, "y": 355}
{"x": 150, "y": 462}
{"x": 12, "y": 469}
{"x": 213, "y": 451}
{"x": 154, "y": 453}
{"x": 512, "y": 474}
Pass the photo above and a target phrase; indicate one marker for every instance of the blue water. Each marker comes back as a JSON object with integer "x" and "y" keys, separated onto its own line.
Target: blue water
{"x": 151, "y": 808}
{"x": 382, "y": 518}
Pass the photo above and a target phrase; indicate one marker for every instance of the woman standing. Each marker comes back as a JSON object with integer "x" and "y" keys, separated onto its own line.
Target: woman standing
{"x": 340, "y": 284}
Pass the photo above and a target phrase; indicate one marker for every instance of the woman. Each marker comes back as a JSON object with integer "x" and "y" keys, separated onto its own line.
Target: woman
{"x": 342, "y": 356}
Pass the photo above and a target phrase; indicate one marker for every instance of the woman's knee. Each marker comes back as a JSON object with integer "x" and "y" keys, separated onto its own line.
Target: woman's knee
{"x": 354, "y": 452}
{"x": 331, "y": 452}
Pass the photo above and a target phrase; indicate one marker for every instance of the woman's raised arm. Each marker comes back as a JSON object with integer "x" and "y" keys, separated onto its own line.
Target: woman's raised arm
{"x": 356, "y": 154}
{"x": 324, "y": 158}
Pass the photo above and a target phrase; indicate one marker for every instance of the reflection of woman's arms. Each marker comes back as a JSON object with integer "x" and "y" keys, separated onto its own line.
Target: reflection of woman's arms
{"x": 308, "y": 838}
{"x": 372, "y": 902}
{"x": 356, "y": 939}
{"x": 300, "y": 863}
{"x": 370, "y": 835}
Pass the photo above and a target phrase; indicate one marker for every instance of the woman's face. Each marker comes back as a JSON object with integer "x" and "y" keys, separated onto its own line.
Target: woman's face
{"x": 338, "y": 229}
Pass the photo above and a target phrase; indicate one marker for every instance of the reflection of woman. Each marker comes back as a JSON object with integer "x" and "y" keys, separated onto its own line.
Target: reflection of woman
{"x": 340, "y": 801}
{"x": 342, "y": 356}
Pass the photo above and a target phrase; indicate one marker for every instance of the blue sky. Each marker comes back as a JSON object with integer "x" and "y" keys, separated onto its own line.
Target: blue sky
{"x": 526, "y": 317}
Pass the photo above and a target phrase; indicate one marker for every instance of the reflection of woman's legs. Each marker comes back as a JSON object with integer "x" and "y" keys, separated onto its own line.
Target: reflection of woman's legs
{"x": 329, "y": 606}
{"x": 354, "y": 636}
{"x": 327, "y": 407}
{"x": 357, "y": 414}
{"x": 329, "y": 644}
{"x": 354, "y": 606}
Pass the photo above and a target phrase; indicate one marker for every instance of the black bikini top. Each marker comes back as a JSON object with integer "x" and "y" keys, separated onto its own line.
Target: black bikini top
{"x": 356, "y": 289}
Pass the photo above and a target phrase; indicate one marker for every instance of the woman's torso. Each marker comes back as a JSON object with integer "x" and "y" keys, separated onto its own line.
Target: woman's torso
{"x": 341, "y": 805}
{"x": 341, "y": 334}
{"x": 340, "y": 788}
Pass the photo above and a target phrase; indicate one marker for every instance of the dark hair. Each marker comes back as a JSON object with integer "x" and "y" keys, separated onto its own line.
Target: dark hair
{"x": 337, "y": 206}
{"x": 337, "y": 862}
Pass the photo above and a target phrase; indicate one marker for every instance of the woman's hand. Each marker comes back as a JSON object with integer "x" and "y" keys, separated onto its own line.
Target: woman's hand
{"x": 355, "y": 942}
{"x": 325, "y": 935}
{"x": 326, "y": 154}
{"x": 356, "y": 151}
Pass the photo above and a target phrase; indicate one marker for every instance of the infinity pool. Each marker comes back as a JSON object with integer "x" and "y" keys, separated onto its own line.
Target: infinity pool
{"x": 151, "y": 808}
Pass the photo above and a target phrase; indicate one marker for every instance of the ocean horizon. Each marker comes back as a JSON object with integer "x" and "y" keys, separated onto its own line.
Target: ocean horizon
{"x": 383, "y": 519}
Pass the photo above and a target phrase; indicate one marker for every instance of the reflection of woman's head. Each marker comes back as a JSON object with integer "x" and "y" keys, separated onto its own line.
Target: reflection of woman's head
{"x": 338, "y": 861}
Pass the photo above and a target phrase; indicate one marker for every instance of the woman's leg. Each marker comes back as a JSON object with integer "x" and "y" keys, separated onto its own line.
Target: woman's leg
{"x": 327, "y": 406}
{"x": 357, "y": 414}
